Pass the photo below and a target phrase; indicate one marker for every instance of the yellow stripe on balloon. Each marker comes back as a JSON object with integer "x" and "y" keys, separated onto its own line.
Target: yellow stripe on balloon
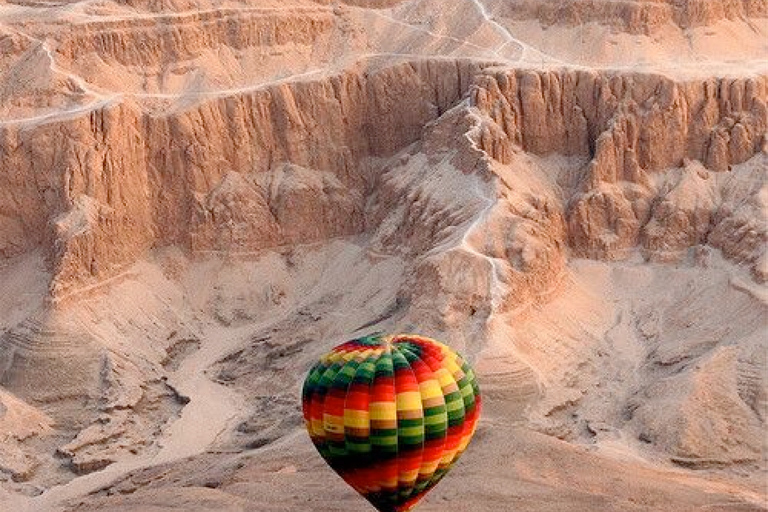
{"x": 430, "y": 389}
{"x": 409, "y": 401}
{"x": 356, "y": 419}
{"x": 447, "y": 382}
{"x": 382, "y": 410}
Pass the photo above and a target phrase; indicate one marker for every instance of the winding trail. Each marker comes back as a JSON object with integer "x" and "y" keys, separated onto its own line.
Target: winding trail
{"x": 59, "y": 115}
{"x": 411, "y": 26}
{"x": 527, "y": 52}
{"x": 496, "y": 287}
{"x": 227, "y": 92}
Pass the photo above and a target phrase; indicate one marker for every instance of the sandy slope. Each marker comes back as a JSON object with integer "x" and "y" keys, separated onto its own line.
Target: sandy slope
{"x": 509, "y": 463}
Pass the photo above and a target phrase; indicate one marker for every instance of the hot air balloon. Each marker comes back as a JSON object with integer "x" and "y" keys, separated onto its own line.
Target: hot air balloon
{"x": 391, "y": 415}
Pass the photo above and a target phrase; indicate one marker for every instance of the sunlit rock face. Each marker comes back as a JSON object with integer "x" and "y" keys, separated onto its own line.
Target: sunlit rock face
{"x": 197, "y": 199}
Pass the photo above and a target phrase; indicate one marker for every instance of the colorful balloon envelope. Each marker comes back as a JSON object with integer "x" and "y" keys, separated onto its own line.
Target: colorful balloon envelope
{"x": 391, "y": 415}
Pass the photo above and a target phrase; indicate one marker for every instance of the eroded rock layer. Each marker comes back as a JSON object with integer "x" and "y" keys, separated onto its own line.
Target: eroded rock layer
{"x": 244, "y": 172}
{"x": 199, "y": 198}
{"x": 225, "y": 174}
{"x": 635, "y": 17}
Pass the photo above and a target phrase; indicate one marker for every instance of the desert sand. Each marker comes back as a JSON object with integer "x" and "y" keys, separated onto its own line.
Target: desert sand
{"x": 198, "y": 199}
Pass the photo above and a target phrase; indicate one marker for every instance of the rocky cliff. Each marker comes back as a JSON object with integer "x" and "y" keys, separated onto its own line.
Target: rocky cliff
{"x": 633, "y": 129}
{"x": 242, "y": 172}
{"x": 634, "y": 17}
{"x": 213, "y": 176}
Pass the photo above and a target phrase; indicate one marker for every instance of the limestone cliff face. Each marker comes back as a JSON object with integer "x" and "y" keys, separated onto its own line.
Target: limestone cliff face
{"x": 181, "y": 5}
{"x": 149, "y": 42}
{"x": 303, "y": 150}
{"x": 634, "y": 17}
{"x": 78, "y": 185}
{"x": 633, "y": 127}
{"x": 81, "y": 189}
{"x": 100, "y": 188}
{"x": 606, "y": 115}
{"x": 295, "y": 162}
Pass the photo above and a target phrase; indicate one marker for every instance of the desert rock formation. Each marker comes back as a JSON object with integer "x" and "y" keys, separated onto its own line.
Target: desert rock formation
{"x": 198, "y": 199}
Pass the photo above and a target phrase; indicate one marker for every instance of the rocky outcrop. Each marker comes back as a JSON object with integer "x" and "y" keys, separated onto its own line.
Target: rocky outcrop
{"x": 739, "y": 226}
{"x": 244, "y": 172}
{"x": 631, "y": 127}
{"x": 76, "y": 184}
{"x": 19, "y": 423}
{"x": 682, "y": 215}
{"x": 122, "y": 429}
{"x": 269, "y": 209}
{"x": 486, "y": 238}
{"x": 627, "y": 120}
{"x": 181, "y": 178}
{"x": 633, "y": 17}
{"x": 101, "y": 385}
{"x": 45, "y": 349}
